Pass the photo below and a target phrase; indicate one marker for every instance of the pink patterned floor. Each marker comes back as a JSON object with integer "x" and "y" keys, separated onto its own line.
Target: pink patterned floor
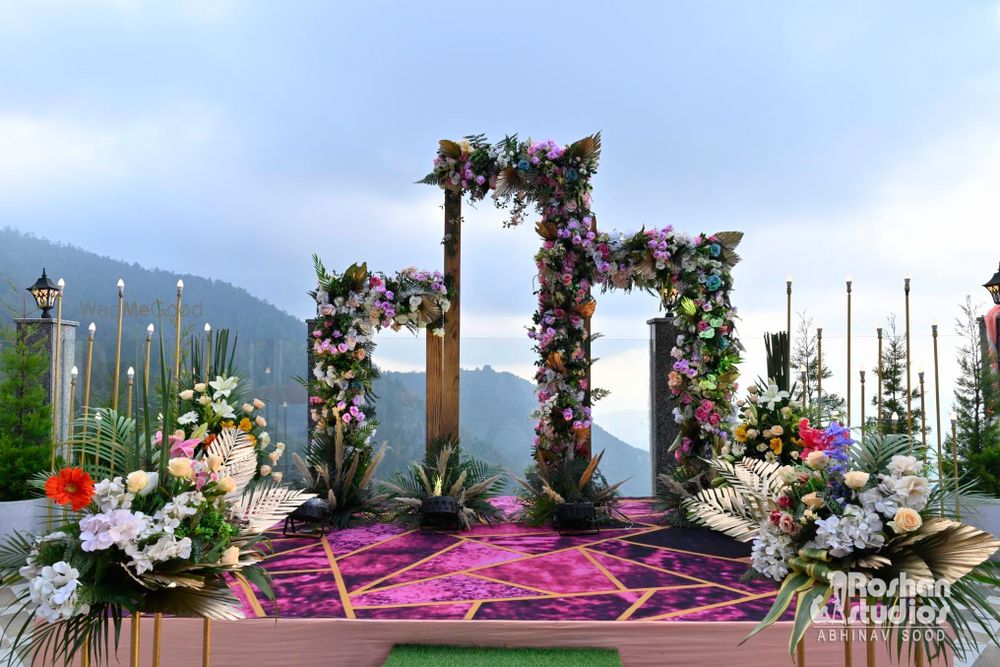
{"x": 642, "y": 572}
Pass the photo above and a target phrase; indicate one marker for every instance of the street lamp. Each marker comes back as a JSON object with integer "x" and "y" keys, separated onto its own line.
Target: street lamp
{"x": 44, "y": 292}
{"x": 993, "y": 287}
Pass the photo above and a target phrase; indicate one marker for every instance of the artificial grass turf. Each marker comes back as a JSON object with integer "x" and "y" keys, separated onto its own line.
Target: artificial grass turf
{"x": 416, "y": 655}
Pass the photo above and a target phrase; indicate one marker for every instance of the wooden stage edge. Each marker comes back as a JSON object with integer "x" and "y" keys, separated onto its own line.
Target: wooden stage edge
{"x": 366, "y": 643}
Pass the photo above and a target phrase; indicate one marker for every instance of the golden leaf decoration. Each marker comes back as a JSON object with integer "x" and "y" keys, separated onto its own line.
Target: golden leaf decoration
{"x": 729, "y": 241}
{"x": 450, "y": 148}
{"x": 429, "y": 309}
{"x": 547, "y": 230}
{"x": 588, "y": 148}
{"x": 586, "y": 309}
{"x": 555, "y": 361}
{"x": 949, "y": 549}
{"x": 509, "y": 180}
{"x": 588, "y": 472}
{"x": 239, "y": 458}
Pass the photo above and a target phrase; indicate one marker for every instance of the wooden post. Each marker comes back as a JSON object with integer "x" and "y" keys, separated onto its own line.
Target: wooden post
{"x": 435, "y": 351}
{"x": 450, "y": 375}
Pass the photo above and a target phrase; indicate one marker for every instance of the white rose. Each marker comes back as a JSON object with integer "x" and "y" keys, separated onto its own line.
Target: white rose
{"x": 277, "y": 477}
{"x": 214, "y": 462}
{"x": 901, "y": 465}
{"x": 227, "y": 485}
{"x": 788, "y": 474}
{"x": 265, "y": 470}
{"x": 247, "y": 408}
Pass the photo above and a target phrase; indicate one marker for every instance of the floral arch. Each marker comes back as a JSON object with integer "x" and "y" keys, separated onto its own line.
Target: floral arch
{"x": 691, "y": 275}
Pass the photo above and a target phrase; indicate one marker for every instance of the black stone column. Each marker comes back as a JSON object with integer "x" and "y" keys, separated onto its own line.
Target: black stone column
{"x": 663, "y": 428}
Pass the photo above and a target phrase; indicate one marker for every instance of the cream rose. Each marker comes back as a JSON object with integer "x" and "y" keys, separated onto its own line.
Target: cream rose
{"x": 813, "y": 501}
{"x": 200, "y": 387}
{"x": 180, "y": 467}
{"x": 259, "y": 404}
{"x": 227, "y": 485}
{"x": 265, "y": 470}
{"x": 204, "y": 400}
{"x": 787, "y": 474}
{"x": 817, "y": 459}
{"x": 230, "y": 556}
{"x": 187, "y": 395}
{"x": 260, "y": 421}
{"x": 136, "y": 481}
{"x": 856, "y": 479}
{"x": 906, "y": 520}
{"x": 247, "y": 408}
{"x": 777, "y": 430}
{"x": 277, "y": 476}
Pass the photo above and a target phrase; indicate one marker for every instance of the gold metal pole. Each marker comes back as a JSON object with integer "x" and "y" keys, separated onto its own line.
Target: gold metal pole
{"x": 177, "y": 346}
{"x": 870, "y": 646}
{"x": 819, "y": 376}
{"x": 788, "y": 325}
{"x": 131, "y": 381}
{"x": 937, "y": 404}
{"x": 848, "y": 644}
{"x": 72, "y": 408}
{"x": 157, "y": 622}
{"x": 849, "y": 282}
{"x": 118, "y": 346}
{"x": 954, "y": 454}
{"x": 208, "y": 349}
{"x": 879, "y": 417}
{"x": 909, "y": 391}
{"x": 862, "y": 406}
{"x": 206, "y": 643}
{"x": 56, "y": 373}
{"x": 85, "y": 652}
{"x": 149, "y": 342}
{"x": 800, "y": 653}
{"x": 805, "y": 389}
{"x": 923, "y": 415}
{"x": 86, "y": 383}
{"x": 134, "y": 648}
{"x": 918, "y": 653}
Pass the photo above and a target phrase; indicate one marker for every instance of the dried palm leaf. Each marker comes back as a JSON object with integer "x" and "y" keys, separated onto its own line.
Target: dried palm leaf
{"x": 587, "y": 308}
{"x": 588, "y": 472}
{"x": 588, "y": 148}
{"x": 239, "y": 458}
{"x": 547, "y": 230}
{"x": 555, "y": 361}
{"x": 268, "y": 506}
{"x": 450, "y": 148}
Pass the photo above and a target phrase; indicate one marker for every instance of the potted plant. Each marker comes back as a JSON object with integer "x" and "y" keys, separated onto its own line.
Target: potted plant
{"x": 25, "y": 434}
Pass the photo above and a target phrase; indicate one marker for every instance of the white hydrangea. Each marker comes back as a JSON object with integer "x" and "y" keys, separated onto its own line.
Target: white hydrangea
{"x": 771, "y": 551}
{"x": 167, "y": 547}
{"x": 169, "y": 517}
{"x": 54, "y": 592}
{"x": 116, "y": 528}
{"x": 901, "y": 465}
{"x": 112, "y": 494}
{"x": 856, "y": 529}
{"x": 912, "y": 491}
{"x": 30, "y": 569}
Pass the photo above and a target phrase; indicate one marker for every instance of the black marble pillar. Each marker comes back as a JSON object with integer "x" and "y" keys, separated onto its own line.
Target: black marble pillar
{"x": 663, "y": 428}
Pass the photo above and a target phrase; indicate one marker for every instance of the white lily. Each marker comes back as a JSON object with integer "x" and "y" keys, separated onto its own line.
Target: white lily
{"x": 773, "y": 395}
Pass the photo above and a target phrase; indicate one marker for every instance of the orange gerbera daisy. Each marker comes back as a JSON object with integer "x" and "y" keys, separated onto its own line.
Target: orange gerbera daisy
{"x": 72, "y": 486}
{"x": 246, "y": 425}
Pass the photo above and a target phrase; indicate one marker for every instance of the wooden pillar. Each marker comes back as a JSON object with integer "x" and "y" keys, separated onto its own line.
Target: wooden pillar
{"x": 444, "y": 354}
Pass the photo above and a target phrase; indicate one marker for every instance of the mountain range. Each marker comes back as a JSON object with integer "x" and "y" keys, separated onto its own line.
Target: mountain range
{"x": 495, "y": 421}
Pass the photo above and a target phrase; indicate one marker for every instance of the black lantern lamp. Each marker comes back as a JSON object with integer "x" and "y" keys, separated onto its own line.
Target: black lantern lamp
{"x": 45, "y": 293}
{"x": 440, "y": 513}
{"x": 993, "y": 287}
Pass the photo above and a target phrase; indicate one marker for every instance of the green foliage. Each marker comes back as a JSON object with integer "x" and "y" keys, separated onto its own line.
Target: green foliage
{"x": 776, "y": 345}
{"x": 568, "y": 479}
{"x": 977, "y": 405}
{"x": 447, "y": 471}
{"x": 25, "y": 415}
{"x": 342, "y": 474}
{"x": 806, "y": 354}
{"x": 894, "y": 386}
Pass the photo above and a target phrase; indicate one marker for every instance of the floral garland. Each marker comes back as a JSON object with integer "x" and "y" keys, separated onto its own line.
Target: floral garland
{"x": 691, "y": 273}
{"x": 350, "y": 308}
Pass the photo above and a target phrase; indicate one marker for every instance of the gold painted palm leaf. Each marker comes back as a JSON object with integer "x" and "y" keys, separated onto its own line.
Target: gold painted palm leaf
{"x": 239, "y": 458}
{"x": 945, "y": 549}
{"x": 588, "y": 148}
{"x": 268, "y": 505}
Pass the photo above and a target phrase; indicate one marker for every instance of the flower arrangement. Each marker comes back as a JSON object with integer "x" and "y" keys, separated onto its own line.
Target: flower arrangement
{"x": 207, "y": 408}
{"x": 869, "y": 511}
{"x": 768, "y": 428}
{"x": 350, "y": 308}
{"x": 447, "y": 471}
{"x": 154, "y": 539}
{"x": 691, "y": 273}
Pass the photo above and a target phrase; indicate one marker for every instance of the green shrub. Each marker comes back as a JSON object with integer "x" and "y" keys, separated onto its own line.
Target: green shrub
{"x": 25, "y": 416}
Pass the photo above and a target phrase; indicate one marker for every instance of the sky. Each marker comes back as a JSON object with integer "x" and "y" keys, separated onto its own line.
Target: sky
{"x": 234, "y": 139}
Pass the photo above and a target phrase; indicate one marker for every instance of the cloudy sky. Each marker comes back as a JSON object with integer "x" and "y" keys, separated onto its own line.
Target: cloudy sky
{"x": 234, "y": 139}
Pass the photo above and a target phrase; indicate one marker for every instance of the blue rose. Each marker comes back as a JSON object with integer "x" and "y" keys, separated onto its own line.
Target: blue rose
{"x": 571, "y": 174}
{"x": 713, "y": 282}
{"x": 724, "y": 343}
{"x": 715, "y": 250}
{"x": 524, "y": 165}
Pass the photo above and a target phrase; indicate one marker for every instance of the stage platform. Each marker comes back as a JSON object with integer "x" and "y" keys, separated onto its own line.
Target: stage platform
{"x": 640, "y": 571}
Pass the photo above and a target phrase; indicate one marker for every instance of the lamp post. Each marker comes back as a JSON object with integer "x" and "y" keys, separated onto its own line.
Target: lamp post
{"x": 894, "y": 420}
{"x": 45, "y": 292}
{"x": 879, "y": 417}
{"x": 909, "y": 390}
{"x": 862, "y": 373}
{"x": 819, "y": 376}
{"x": 954, "y": 454}
{"x": 788, "y": 324}
{"x": 993, "y": 287}
{"x": 804, "y": 372}
{"x": 149, "y": 341}
{"x": 208, "y": 349}
{"x": 850, "y": 282}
